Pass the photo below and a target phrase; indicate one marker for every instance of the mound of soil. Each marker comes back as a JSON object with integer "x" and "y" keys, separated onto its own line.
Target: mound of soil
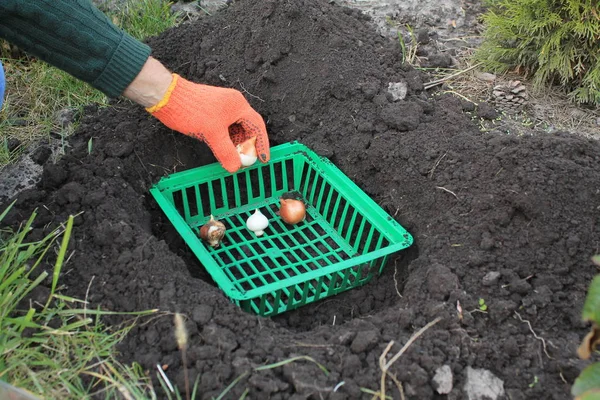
{"x": 511, "y": 220}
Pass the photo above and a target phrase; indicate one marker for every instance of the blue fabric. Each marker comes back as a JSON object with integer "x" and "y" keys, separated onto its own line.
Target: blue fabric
{"x": 2, "y": 84}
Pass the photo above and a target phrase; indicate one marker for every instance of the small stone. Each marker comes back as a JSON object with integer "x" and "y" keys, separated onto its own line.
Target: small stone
{"x": 481, "y": 384}
{"x": 491, "y": 278}
{"x": 442, "y": 380}
{"x": 397, "y": 90}
{"x": 485, "y": 76}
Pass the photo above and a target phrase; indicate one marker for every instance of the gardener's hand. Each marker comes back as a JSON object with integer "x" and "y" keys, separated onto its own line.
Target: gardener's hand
{"x": 218, "y": 116}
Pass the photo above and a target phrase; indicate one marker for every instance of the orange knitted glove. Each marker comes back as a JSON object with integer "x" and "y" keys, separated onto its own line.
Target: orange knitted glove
{"x": 220, "y": 117}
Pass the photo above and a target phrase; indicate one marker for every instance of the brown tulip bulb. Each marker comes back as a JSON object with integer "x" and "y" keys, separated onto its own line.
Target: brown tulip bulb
{"x": 292, "y": 211}
{"x": 213, "y": 232}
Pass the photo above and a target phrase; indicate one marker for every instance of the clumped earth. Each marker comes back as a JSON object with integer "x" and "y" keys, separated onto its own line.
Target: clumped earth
{"x": 510, "y": 220}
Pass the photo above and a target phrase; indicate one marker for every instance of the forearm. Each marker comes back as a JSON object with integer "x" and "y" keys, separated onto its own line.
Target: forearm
{"x": 76, "y": 37}
{"x": 150, "y": 85}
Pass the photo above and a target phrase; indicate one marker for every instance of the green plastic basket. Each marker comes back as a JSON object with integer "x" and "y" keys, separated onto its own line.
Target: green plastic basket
{"x": 344, "y": 241}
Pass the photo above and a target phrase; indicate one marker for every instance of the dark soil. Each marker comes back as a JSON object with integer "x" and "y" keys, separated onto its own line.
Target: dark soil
{"x": 511, "y": 220}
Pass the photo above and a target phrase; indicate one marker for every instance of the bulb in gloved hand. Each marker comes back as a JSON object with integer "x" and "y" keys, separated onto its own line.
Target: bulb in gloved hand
{"x": 247, "y": 151}
{"x": 213, "y": 232}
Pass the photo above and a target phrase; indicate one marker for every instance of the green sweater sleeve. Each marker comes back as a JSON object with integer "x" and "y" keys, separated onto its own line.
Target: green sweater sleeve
{"x": 76, "y": 37}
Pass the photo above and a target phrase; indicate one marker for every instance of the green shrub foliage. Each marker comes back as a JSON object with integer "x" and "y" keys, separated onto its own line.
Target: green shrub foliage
{"x": 553, "y": 41}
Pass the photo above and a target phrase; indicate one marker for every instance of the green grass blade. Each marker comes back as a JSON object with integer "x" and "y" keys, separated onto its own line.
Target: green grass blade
{"x": 7, "y": 210}
{"x": 374, "y": 393}
{"x": 75, "y": 311}
{"x": 231, "y": 385}
{"x": 61, "y": 257}
{"x": 245, "y": 394}
{"x": 289, "y": 360}
{"x": 195, "y": 389}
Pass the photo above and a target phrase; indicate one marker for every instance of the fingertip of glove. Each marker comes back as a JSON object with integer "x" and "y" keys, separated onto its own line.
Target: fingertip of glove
{"x": 264, "y": 158}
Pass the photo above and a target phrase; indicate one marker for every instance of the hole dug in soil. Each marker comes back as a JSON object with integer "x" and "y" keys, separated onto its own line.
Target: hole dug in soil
{"x": 512, "y": 220}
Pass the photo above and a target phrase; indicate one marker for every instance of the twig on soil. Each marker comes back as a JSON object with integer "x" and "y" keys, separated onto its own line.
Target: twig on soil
{"x": 140, "y": 160}
{"x": 383, "y": 369}
{"x": 562, "y": 377}
{"x": 436, "y": 82}
{"x": 374, "y": 393}
{"x": 411, "y": 341}
{"x": 246, "y": 91}
{"x": 439, "y": 160}
{"x": 534, "y": 334}
{"x": 398, "y": 385}
{"x": 446, "y": 190}
{"x": 386, "y": 366}
{"x": 87, "y": 293}
{"x": 461, "y": 96}
{"x": 395, "y": 281}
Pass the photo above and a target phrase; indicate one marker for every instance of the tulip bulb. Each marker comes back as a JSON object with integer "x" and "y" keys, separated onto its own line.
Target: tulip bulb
{"x": 292, "y": 211}
{"x": 257, "y": 223}
{"x": 247, "y": 151}
{"x": 213, "y": 232}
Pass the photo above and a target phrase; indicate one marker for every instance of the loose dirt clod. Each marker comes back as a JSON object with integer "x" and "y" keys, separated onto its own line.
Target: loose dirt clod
{"x": 524, "y": 206}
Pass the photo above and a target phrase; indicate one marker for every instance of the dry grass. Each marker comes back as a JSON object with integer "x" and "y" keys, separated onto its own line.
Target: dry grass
{"x": 549, "y": 108}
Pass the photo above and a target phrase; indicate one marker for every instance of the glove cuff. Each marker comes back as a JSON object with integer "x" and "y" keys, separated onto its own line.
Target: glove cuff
{"x": 163, "y": 102}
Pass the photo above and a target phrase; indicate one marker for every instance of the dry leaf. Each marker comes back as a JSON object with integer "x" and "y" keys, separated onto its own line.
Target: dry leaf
{"x": 589, "y": 343}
